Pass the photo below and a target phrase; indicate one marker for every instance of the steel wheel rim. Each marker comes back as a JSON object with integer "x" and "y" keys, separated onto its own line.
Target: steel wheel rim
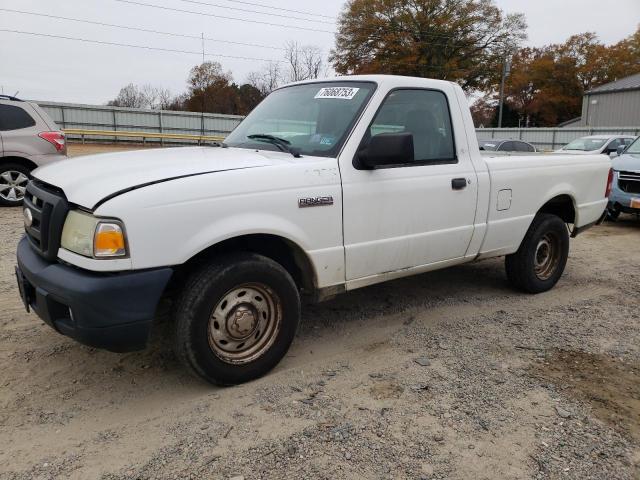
{"x": 13, "y": 185}
{"x": 547, "y": 256}
{"x": 244, "y": 323}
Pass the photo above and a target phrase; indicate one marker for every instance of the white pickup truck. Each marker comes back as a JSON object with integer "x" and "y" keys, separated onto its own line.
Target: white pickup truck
{"x": 327, "y": 186}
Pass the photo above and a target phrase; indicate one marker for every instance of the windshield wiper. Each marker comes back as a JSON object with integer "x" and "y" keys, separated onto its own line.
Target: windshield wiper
{"x": 281, "y": 143}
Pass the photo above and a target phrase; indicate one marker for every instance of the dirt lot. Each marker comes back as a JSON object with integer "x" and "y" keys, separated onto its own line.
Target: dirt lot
{"x": 449, "y": 374}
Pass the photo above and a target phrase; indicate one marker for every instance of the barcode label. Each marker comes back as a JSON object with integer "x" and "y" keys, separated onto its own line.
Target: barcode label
{"x": 344, "y": 93}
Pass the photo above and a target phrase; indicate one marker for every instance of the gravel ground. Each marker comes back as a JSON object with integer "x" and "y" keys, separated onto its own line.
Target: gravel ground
{"x": 449, "y": 374}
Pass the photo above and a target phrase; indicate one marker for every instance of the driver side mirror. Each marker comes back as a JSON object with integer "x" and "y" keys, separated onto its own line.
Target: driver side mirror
{"x": 385, "y": 149}
{"x": 620, "y": 149}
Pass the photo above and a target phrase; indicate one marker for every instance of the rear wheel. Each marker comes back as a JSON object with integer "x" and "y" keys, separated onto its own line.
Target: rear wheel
{"x": 13, "y": 184}
{"x": 612, "y": 215}
{"x": 540, "y": 261}
{"x": 236, "y": 318}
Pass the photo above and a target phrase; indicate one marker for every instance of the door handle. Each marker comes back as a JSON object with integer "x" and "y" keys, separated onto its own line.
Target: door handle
{"x": 459, "y": 183}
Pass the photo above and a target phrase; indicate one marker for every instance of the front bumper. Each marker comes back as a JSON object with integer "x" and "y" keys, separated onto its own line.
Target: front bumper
{"x": 113, "y": 311}
{"x": 620, "y": 201}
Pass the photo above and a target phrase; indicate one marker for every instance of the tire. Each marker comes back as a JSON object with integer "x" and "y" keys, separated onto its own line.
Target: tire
{"x": 13, "y": 181}
{"x": 612, "y": 215}
{"x": 540, "y": 261}
{"x": 236, "y": 318}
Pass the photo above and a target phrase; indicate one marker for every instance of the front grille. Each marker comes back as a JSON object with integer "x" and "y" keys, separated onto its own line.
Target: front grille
{"x": 49, "y": 209}
{"x": 629, "y": 182}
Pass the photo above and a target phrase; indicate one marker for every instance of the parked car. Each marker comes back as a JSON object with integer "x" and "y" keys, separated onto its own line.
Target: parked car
{"x": 625, "y": 191}
{"x": 28, "y": 139}
{"x": 495, "y": 145}
{"x": 606, "y": 144}
{"x": 327, "y": 186}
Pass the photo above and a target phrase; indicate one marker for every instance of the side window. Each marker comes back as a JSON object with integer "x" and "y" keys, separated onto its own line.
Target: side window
{"x": 507, "y": 147}
{"x": 523, "y": 147}
{"x": 14, "y": 118}
{"x": 424, "y": 114}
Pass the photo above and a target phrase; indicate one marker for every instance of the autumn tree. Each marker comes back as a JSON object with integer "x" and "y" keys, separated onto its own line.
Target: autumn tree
{"x": 546, "y": 84}
{"x": 460, "y": 40}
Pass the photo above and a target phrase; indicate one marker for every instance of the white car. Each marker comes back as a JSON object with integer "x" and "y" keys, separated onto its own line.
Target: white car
{"x": 594, "y": 144}
{"x": 327, "y": 186}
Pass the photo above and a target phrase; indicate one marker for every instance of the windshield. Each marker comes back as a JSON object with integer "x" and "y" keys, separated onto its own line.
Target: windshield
{"x": 313, "y": 118}
{"x": 634, "y": 148}
{"x": 586, "y": 144}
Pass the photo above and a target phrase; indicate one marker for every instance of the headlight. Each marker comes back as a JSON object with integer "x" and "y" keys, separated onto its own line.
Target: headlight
{"x": 94, "y": 237}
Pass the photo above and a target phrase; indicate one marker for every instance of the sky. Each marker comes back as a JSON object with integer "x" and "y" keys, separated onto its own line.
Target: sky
{"x": 58, "y": 69}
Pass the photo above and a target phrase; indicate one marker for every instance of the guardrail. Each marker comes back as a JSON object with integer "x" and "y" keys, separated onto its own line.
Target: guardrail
{"x": 143, "y": 135}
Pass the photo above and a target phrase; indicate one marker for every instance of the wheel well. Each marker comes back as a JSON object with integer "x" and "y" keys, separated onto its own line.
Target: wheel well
{"x": 562, "y": 206}
{"x": 279, "y": 249}
{"x": 20, "y": 161}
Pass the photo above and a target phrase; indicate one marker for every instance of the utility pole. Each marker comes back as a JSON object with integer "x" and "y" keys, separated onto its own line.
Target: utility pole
{"x": 506, "y": 69}
{"x": 202, "y": 104}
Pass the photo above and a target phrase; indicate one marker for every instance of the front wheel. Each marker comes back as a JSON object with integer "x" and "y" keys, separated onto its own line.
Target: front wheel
{"x": 539, "y": 262}
{"x": 612, "y": 214}
{"x": 13, "y": 184}
{"x": 236, "y": 318}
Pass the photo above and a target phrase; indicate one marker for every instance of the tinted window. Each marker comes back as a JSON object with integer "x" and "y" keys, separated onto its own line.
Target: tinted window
{"x": 523, "y": 147}
{"x": 14, "y": 118}
{"x": 424, "y": 114}
{"x": 613, "y": 145}
{"x": 507, "y": 147}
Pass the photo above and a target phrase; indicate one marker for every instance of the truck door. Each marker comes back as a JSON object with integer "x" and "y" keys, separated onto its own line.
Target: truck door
{"x": 417, "y": 213}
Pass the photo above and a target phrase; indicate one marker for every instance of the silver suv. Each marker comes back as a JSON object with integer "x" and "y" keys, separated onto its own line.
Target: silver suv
{"x": 28, "y": 139}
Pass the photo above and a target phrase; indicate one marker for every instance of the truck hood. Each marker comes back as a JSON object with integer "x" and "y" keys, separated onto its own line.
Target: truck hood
{"x": 88, "y": 180}
{"x": 626, "y": 162}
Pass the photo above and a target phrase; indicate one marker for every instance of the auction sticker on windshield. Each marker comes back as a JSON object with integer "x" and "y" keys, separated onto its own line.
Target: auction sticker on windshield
{"x": 344, "y": 93}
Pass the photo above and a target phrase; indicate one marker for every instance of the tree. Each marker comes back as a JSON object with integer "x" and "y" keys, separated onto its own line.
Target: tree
{"x": 129, "y": 96}
{"x": 459, "y": 40}
{"x": 546, "y": 84}
{"x": 267, "y": 79}
{"x": 210, "y": 89}
{"x": 305, "y": 62}
{"x": 146, "y": 96}
{"x": 248, "y": 98}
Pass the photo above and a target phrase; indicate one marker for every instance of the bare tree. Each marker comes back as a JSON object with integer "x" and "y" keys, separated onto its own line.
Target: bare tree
{"x": 267, "y": 79}
{"x": 305, "y": 62}
{"x": 165, "y": 98}
{"x": 312, "y": 61}
{"x": 146, "y": 96}
{"x": 129, "y": 96}
{"x": 149, "y": 96}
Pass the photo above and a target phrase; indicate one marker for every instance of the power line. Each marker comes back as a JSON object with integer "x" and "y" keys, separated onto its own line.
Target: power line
{"x": 138, "y": 29}
{"x": 370, "y": 29}
{"x": 256, "y": 11}
{"x": 151, "y": 5}
{"x": 144, "y": 47}
{"x": 282, "y": 9}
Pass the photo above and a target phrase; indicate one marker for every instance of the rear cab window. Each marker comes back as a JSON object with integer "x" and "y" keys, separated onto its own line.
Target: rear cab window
{"x": 13, "y": 117}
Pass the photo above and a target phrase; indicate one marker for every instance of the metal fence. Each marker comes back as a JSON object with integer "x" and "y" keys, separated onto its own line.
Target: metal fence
{"x": 551, "y": 138}
{"x": 96, "y": 117}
